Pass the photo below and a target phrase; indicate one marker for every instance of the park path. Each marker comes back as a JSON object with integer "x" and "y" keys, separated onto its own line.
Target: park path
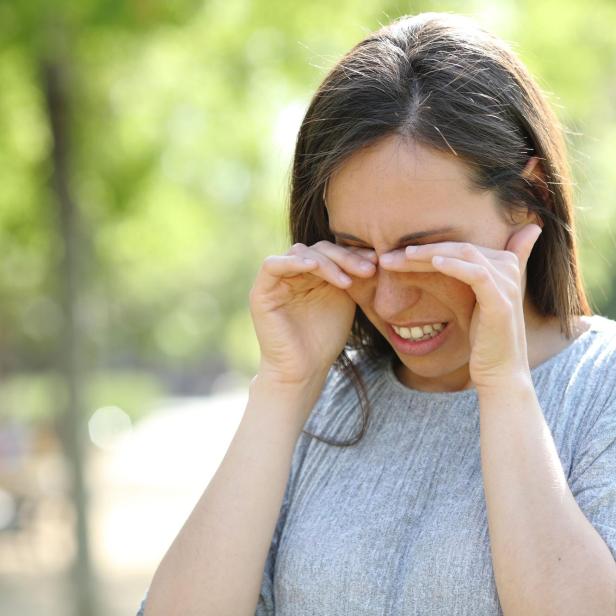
{"x": 143, "y": 486}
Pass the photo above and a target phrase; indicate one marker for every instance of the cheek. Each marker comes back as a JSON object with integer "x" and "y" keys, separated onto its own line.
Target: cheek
{"x": 361, "y": 291}
{"x": 460, "y": 298}
{"x": 457, "y": 296}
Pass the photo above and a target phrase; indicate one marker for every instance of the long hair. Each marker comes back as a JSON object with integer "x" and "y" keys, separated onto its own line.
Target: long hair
{"x": 441, "y": 80}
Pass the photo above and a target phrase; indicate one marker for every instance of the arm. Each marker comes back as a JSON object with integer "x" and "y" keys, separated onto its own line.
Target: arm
{"x": 215, "y": 564}
{"x": 302, "y": 317}
{"x": 548, "y": 558}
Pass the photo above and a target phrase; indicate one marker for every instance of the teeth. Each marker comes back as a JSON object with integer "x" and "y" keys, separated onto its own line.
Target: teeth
{"x": 419, "y": 333}
{"x": 416, "y": 332}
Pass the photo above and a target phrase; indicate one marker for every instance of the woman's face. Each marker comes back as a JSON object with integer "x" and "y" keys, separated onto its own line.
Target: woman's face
{"x": 394, "y": 189}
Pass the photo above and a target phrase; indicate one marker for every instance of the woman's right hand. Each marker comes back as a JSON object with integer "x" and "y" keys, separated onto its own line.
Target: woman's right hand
{"x": 300, "y": 309}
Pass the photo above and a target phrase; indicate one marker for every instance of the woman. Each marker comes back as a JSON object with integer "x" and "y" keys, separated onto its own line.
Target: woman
{"x": 434, "y": 278}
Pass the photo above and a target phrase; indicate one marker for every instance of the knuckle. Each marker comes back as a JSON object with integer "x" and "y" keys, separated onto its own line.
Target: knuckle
{"x": 296, "y": 248}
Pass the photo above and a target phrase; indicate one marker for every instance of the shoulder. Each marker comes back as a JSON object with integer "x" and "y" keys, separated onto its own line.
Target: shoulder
{"x": 588, "y": 375}
{"x": 599, "y": 351}
{"x": 577, "y": 387}
{"x": 580, "y": 380}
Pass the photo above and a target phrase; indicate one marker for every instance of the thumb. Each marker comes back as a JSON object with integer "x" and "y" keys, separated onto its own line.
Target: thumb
{"x": 521, "y": 243}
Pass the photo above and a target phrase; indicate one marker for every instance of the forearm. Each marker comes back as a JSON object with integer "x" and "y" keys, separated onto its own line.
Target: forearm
{"x": 548, "y": 559}
{"x": 215, "y": 564}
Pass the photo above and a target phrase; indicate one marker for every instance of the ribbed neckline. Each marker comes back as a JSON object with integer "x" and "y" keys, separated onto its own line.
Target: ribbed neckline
{"x": 467, "y": 394}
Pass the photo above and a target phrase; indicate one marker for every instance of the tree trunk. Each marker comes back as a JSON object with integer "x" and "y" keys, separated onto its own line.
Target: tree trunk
{"x": 72, "y": 420}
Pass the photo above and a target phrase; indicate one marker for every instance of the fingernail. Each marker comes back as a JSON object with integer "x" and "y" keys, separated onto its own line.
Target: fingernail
{"x": 386, "y": 259}
{"x": 366, "y": 266}
{"x": 410, "y": 249}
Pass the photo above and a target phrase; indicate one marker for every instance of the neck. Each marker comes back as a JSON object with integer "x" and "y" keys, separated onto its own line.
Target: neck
{"x": 544, "y": 337}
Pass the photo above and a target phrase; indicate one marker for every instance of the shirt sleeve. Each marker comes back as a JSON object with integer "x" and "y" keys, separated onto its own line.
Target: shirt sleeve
{"x": 593, "y": 474}
{"x": 142, "y": 606}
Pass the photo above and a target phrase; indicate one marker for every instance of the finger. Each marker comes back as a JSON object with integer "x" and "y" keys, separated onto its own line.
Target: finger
{"x": 276, "y": 267}
{"x": 353, "y": 260}
{"x": 500, "y": 277}
{"x": 404, "y": 265}
{"x": 453, "y": 249}
{"x": 326, "y": 268}
{"x": 404, "y": 260}
{"x": 521, "y": 243}
{"x": 479, "y": 278}
{"x": 367, "y": 253}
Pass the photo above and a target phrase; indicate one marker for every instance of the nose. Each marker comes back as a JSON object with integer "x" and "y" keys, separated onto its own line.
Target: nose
{"x": 394, "y": 294}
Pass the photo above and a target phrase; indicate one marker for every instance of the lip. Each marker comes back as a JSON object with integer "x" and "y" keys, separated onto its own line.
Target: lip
{"x": 423, "y": 347}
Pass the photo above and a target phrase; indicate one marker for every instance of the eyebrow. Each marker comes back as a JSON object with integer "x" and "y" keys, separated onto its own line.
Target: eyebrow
{"x": 405, "y": 239}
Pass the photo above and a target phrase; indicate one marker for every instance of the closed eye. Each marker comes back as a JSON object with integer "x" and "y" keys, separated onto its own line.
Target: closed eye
{"x": 401, "y": 247}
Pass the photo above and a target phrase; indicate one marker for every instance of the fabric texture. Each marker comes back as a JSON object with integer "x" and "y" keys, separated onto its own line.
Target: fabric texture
{"x": 396, "y": 525}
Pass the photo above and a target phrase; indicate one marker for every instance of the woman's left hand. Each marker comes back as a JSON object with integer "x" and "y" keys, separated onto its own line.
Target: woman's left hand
{"x": 498, "y": 279}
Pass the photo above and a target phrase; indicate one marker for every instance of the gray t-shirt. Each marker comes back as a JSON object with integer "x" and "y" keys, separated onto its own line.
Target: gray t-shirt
{"x": 396, "y": 525}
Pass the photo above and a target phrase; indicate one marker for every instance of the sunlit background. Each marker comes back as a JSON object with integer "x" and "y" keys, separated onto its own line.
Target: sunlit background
{"x": 145, "y": 149}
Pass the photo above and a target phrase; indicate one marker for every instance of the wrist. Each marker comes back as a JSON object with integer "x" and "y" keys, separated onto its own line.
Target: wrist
{"x": 506, "y": 385}
{"x": 287, "y": 384}
{"x": 301, "y": 395}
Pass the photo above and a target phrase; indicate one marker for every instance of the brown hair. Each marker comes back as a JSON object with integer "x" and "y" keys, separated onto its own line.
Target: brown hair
{"x": 441, "y": 80}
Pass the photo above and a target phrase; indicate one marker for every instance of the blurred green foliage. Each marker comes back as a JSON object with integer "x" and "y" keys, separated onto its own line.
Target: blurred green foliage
{"x": 183, "y": 120}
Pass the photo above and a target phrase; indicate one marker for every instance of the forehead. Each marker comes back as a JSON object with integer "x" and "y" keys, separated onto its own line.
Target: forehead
{"x": 395, "y": 182}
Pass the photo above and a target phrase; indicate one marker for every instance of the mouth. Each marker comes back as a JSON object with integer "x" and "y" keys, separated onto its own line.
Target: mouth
{"x": 417, "y": 332}
{"x": 418, "y": 339}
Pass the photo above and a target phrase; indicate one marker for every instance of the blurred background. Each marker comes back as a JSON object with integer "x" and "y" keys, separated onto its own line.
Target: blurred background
{"x": 145, "y": 149}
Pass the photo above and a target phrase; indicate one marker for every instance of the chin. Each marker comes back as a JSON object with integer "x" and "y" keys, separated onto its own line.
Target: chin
{"x": 433, "y": 368}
